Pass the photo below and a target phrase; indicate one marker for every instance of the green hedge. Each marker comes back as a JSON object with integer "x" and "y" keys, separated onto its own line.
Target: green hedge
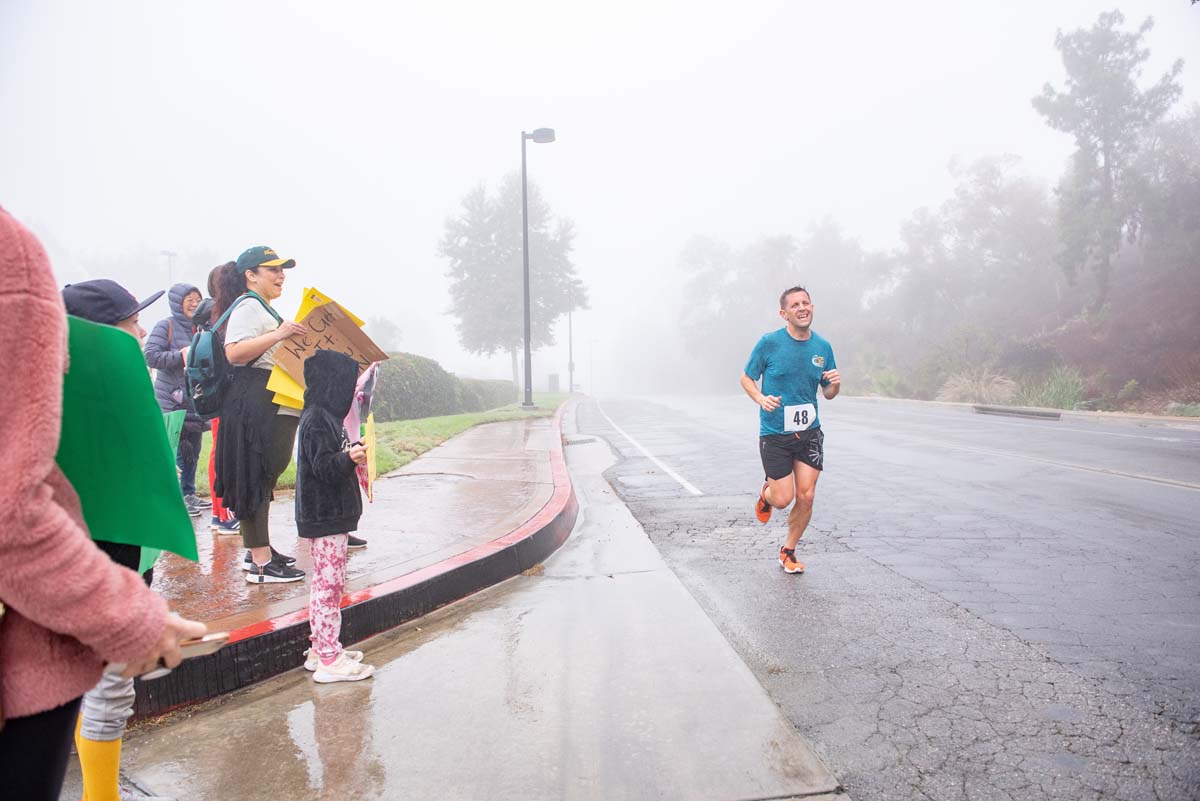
{"x": 411, "y": 387}
{"x": 479, "y": 394}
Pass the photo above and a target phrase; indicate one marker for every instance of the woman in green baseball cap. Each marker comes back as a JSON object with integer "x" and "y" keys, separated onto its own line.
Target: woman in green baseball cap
{"x": 257, "y": 435}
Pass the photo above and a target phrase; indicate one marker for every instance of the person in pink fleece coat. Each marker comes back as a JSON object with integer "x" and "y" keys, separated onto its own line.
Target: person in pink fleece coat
{"x": 68, "y": 608}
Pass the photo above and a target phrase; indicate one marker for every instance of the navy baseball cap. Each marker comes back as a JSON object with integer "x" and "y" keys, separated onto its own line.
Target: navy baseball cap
{"x": 262, "y": 256}
{"x": 103, "y": 301}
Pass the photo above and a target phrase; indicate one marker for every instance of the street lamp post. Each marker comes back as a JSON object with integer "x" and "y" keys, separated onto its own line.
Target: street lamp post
{"x": 539, "y": 136}
{"x": 570, "y": 342}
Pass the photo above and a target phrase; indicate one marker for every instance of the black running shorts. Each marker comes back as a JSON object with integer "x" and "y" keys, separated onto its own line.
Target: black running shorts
{"x": 779, "y": 451}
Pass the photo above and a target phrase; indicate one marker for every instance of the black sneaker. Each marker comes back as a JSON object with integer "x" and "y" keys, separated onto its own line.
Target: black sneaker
{"x": 355, "y": 543}
{"x": 273, "y": 572}
{"x": 192, "y": 509}
{"x": 276, "y": 556}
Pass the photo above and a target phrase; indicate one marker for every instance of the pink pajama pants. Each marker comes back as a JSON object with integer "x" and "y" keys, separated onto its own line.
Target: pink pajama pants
{"x": 325, "y": 595}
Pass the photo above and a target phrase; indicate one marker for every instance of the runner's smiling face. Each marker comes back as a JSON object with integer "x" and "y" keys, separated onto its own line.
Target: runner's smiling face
{"x": 797, "y": 311}
{"x": 266, "y": 281}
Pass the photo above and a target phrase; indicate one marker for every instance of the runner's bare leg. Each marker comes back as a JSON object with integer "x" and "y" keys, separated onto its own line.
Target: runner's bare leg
{"x": 780, "y": 491}
{"x": 805, "y": 477}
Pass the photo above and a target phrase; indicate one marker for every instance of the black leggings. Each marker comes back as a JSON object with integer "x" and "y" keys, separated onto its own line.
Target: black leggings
{"x": 254, "y": 528}
{"x": 34, "y": 752}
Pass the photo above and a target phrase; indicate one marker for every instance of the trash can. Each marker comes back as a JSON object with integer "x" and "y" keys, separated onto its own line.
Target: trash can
{"x": 553, "y": 378}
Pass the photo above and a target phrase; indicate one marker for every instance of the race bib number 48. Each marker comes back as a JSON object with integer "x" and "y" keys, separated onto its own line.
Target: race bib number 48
{"x": 799, "y": 417}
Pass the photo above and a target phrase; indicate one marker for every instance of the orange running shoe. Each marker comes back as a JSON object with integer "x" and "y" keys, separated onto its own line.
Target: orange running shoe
{"x": 787, "y": 558}
{"x": 762, "y": 509}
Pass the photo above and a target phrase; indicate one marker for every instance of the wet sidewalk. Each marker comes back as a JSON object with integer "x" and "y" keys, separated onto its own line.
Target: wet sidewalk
{"x": 475, "y": 510}
{"x": 596, "y": 677}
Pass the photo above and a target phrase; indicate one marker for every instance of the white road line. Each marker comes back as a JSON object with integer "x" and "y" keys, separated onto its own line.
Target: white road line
{"x": 683, "y": 482}
{"x": 1170, "y": 482}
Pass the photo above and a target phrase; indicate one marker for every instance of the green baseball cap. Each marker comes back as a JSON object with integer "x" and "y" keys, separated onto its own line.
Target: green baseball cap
{"x": 262, "y": 256}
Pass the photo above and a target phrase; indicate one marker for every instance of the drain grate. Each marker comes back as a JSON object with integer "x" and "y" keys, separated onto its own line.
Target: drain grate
{"x": 577, "y": 440}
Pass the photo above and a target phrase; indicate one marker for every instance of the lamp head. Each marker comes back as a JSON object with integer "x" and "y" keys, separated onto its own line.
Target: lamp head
{"x": 542, "y": 135}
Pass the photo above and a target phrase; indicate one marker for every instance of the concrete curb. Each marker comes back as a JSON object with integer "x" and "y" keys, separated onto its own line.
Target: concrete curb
{"x": 270, "y": 647}
{"x": 1077, "y": 414}
{"x": 1018, "y": 411}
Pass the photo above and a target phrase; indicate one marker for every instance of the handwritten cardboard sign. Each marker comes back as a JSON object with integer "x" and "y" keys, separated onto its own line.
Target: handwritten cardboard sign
{"x": 287, "y": 392}
{"x": 327, "y": 328}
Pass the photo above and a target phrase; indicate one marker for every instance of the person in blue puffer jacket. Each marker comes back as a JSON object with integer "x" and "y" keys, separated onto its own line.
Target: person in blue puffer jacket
{"x": 166, "y": 351}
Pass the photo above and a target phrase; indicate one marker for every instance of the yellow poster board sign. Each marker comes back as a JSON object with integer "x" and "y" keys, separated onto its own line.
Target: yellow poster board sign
{"x": 372, "y": 469}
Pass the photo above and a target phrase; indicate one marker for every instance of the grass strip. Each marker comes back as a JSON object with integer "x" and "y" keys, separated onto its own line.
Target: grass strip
{"x": 402, "y": 441}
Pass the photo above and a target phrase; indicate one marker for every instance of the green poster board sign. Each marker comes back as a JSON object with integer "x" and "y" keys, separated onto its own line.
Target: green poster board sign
{"x": 174, "y": 423}
{"x": 113, "y": 447}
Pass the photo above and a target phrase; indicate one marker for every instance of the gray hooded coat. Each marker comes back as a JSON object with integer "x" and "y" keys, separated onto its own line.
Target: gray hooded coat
{"x": 164, "y": 352}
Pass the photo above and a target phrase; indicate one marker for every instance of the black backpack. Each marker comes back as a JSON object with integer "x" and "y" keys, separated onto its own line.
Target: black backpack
{"x": 207, "y": 373}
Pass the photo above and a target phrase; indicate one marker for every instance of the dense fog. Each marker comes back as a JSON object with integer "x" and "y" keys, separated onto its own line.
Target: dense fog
{"x": 916, "y": 165}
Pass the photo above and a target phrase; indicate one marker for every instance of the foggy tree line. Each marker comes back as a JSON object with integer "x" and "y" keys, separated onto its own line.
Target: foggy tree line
{"x": 482, "y": 246}
{"x": 1010, "y": 291}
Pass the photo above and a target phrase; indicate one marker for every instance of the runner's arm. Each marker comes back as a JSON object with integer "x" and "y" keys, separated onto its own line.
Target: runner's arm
{"x": 834, "y": 385}
{"x": 767, "y": 402}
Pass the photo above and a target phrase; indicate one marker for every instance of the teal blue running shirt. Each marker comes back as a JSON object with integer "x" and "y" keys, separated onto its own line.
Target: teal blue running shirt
{"x": 791, "y": 369}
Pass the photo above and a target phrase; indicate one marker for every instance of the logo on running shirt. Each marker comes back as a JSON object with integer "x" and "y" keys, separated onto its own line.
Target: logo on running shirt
{"x": 818, "y": 361}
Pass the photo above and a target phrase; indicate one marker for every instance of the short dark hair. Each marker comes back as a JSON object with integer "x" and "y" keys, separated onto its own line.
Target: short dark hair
{"x": 790, "y": 290}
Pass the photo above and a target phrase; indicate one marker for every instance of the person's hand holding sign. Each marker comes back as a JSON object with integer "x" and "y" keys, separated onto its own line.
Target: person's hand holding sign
{"x": 358, "y": 453}
{"x": 288, "y": 329}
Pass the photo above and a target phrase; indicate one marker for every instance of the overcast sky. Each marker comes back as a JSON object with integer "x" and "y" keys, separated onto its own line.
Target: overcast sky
{"x": 344, "y": 134}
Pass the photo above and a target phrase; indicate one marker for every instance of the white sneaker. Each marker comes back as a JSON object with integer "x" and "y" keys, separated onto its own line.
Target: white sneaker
{"x": 343, "y": 669}
{"x": 312, "y": 661}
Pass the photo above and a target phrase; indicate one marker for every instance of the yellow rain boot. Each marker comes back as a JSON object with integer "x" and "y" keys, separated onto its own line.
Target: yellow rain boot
{"x": 99, "y": 761}
{"x": 78, "y": 726}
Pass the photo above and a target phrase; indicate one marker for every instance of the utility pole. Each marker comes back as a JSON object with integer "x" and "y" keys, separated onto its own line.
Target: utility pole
{"x": 170, "y": 254}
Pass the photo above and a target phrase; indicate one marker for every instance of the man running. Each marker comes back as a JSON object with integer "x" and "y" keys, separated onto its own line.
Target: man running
{"x": 791, "y": 362}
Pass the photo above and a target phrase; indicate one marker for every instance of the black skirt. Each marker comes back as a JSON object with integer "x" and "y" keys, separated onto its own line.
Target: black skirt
{"x": 244, "y": 445}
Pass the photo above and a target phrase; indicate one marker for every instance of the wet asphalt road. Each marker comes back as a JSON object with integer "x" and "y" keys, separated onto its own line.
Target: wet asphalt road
{"x": 993, "y": 607}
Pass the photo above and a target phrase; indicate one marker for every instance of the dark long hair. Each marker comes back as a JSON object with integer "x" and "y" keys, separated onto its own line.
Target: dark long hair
{"x": 227, "y": 283}
{"x": 214, "y": 278}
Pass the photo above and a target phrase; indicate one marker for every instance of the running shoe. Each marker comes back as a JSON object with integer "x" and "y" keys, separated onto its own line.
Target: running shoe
{"x": 343, "y": 669}
{"x": 226, "y": 527}
{"x": 273, "y": 572}
{"x": 787, "y": 559}
{"x": 762, "y": 509}
{"x": 192, "y": 509}
{"x": 311, "y": 662}
{"x": 276, "y": 556}
{"x": 354, "y": 543}
{"x": 197, "y": 501}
